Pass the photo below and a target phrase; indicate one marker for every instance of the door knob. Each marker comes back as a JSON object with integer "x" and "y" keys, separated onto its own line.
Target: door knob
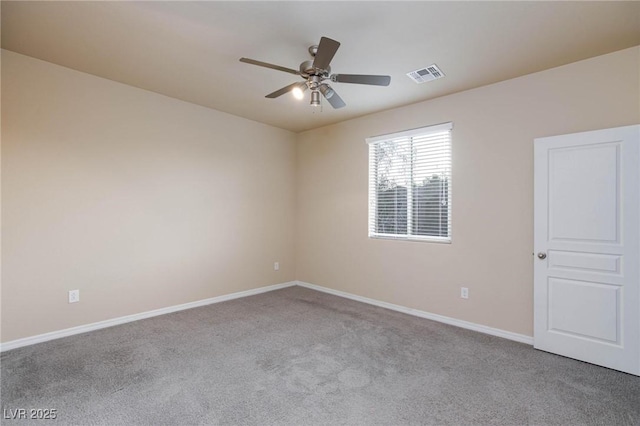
{"x": 542, "y": 255}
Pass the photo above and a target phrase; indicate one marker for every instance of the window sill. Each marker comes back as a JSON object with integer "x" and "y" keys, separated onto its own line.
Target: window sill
{"x": 437, "y": 240}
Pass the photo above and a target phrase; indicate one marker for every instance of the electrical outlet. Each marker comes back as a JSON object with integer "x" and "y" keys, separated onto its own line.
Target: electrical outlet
{"x": 464, "y": 292}
{"x": 74, "y": 296}
{"x": 276, "y": 266}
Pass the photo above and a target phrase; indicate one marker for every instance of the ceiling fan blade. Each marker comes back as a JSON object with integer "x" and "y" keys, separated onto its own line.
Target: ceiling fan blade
{"x": 282, "y": 91}
{"x": 375, "y": 80}
{"x": 335, "y": 100}
{"x": 326, "y": 50}
{"x": 267, "y": 65}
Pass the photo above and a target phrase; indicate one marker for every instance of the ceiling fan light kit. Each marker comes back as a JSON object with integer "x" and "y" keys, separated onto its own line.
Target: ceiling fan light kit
{"x": 318, "y": 70}
{"x": 298, "y": 91}
{"x": 315, "y": 98}
{"x": 327, "y": 91}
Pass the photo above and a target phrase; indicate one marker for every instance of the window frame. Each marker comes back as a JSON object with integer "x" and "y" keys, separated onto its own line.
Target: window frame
{"x": 373, "y": 175}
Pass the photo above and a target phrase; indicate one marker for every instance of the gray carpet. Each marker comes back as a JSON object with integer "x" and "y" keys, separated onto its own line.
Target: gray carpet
{"x": 299, "y": 357}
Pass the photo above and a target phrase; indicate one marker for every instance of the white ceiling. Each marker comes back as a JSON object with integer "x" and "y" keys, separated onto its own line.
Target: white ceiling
{"x": 190, "y": 50}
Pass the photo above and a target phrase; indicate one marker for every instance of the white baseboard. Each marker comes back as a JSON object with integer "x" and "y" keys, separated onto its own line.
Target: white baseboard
{"x": 422, "y": 314}
{"x": 32, "y": 340}
{"x": 135, "y": 317}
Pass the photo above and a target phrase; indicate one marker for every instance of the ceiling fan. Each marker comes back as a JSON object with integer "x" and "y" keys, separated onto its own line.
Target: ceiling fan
{"x": 316, "y": 71}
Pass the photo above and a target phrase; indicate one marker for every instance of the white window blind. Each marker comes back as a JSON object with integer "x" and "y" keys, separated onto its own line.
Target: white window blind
{"x": 410, "y": 184}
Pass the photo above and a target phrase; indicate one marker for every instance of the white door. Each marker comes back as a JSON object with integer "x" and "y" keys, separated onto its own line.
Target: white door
{"x": 586, "y": 244}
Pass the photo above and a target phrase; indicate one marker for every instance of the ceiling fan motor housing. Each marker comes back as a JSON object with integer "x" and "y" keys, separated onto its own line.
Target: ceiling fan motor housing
{"x": 307, "y": 69}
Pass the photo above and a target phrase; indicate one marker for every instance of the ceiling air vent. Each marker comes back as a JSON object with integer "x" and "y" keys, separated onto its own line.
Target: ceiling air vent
{"x": 432, "y": 72}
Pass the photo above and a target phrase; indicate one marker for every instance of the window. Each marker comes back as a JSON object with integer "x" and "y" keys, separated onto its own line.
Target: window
{"x": 410, "y": 184}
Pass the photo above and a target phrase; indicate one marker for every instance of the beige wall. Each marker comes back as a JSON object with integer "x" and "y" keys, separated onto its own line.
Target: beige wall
{"x": 138, "y": 200}
{"x": 491, "y": 252}
{"x": 142, "y": 201}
